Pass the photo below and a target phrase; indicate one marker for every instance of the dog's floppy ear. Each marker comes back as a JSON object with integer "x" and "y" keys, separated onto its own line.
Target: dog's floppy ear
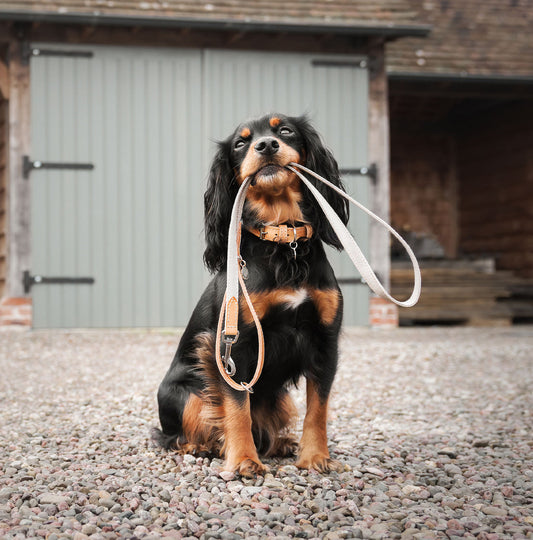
{"x": 218, "y": 201}
{"x": 319, "y": 159}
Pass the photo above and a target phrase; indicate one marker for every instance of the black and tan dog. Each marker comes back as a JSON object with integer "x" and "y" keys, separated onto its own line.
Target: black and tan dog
{"x": 294, "y": 292}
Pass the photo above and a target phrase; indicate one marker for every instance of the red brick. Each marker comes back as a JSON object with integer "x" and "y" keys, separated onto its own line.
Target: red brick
{"x": 16, "y": 311}
{"x": 15, "y": 301}
{"x": 383, "y": 314}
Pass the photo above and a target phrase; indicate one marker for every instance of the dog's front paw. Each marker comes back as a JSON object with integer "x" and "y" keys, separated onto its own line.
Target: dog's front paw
{"x": 248, "y": 468}
{"x": 320, "y": 462}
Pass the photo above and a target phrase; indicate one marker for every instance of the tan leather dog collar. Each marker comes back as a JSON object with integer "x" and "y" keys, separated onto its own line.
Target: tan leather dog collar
{"x": 283, "y": 234}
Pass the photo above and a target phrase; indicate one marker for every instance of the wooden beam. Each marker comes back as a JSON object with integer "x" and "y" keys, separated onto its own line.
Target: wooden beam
{"x": 4, "y": 80}
{"x": 18, "y": 249}
{"x": 378, "y": 153}
{"x": 194, "y": 38}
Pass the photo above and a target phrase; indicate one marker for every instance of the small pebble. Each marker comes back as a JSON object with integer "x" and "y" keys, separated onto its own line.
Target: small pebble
{"x": 375, "y": 471}
{"x": 494, "y": 511}
{"x": 450, "y": 452}
{"x": 480, "y": 443}
{"x": 227, "y": 475}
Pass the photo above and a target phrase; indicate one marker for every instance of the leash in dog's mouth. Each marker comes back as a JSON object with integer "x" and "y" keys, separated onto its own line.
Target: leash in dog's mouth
{"x": 266, "y": 171}
{"x": 229, "y": 313}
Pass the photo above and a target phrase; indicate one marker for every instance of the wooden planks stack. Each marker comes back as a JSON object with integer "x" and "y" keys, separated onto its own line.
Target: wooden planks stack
{"x": 463, "y": 292}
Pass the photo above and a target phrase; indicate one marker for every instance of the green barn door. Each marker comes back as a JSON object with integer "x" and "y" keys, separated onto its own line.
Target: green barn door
{"x": 332, "y": 91}
{"x": 132, "y": 223}
{"x": 144, "y": 120}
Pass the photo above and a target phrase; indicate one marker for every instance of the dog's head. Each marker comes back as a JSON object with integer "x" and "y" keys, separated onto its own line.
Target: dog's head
{"x": 262, "y": 148}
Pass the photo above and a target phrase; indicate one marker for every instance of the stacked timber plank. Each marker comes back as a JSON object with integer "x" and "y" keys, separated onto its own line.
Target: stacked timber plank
{"x": 463, "y": 292}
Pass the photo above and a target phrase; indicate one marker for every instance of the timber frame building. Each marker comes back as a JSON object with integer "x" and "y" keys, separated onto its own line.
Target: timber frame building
{"x": 428, "y": 108}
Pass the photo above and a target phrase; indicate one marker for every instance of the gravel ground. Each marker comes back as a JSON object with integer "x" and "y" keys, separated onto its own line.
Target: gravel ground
{"x": 432, "y": 426}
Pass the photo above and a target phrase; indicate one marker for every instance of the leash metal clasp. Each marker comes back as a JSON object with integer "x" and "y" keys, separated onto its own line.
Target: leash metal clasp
{"x": 229, "y": 364}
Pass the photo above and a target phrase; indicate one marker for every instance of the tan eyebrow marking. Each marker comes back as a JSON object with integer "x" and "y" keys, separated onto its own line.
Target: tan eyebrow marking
{"x": 245, "y": 133}
{"x": 275, "y": 121}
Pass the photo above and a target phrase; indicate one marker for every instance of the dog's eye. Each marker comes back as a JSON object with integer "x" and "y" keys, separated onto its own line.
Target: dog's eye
{"x": 239, "y": 144}
{"x": 285, "y": 131}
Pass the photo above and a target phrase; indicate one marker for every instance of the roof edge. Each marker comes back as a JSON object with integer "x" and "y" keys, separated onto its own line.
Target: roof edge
{"x": 98, "y": 18}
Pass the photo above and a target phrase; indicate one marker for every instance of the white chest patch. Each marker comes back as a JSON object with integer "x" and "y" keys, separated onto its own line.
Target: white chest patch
{"x": 295, "y": 298}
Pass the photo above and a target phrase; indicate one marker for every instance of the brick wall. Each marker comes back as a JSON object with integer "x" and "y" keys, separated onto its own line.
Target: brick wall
{"x": 495, "y": 159}
{"x": 423, "y": 185}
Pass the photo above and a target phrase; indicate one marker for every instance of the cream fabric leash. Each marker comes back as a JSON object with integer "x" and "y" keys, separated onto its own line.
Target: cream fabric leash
{"x": 229, "y": 314}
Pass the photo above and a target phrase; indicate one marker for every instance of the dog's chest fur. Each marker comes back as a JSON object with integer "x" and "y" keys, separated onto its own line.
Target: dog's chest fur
{"x": 293, "y": 299}
{"x": 325, "y": 302}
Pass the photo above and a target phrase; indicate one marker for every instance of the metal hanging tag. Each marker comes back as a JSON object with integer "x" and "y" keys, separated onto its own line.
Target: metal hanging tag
{"x": 293, "y": 246}
{"x": 244, "y": 270}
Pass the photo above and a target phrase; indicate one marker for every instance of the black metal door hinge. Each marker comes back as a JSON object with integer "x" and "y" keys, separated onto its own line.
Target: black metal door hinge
{"x": 28, "y": 165}
{"x": 371, "y": 171}
{"x": 29, "y": 281}
{"x": 338, "y": 63}
{"x": 32, "y": 52}
{"x": 349, "y": 281}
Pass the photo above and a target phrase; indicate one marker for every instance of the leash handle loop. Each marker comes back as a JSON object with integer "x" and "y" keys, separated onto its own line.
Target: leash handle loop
{"x": 229, "y": 313}
{"x": 223, "y": 362}
{"x": 350, "y": 245}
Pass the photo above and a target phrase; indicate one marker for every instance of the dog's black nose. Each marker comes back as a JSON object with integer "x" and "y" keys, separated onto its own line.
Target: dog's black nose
{"x": 267, "y": 146}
